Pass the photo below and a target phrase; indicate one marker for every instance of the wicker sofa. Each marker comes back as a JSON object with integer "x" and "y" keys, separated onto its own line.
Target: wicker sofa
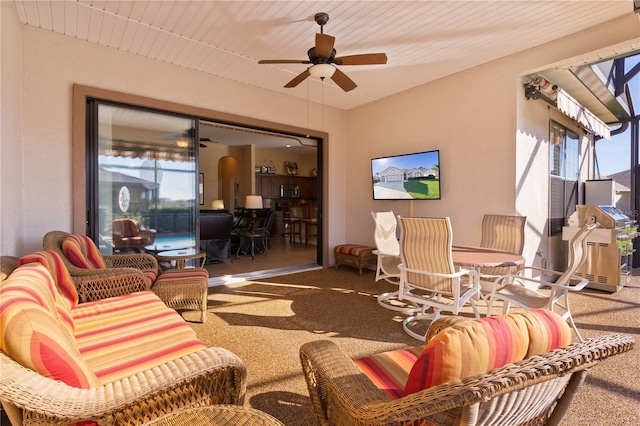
{"x": 121, "y": 360}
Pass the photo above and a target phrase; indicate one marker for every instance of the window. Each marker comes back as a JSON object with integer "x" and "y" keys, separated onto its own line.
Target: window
{"x": 564, "y": 156}
{"x": 144, "y": 196}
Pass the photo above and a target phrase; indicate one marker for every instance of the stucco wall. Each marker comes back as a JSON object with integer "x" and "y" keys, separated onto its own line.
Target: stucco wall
{"x": 12, "y": 222}
{"x": 474, "y": 132}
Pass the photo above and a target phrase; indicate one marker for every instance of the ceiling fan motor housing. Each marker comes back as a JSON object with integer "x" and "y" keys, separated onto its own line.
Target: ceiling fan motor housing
{"x": 316, "y": 59}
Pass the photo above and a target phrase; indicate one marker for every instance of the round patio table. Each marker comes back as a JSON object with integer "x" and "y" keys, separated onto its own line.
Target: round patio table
{"x": 181, "y": 256}
{"x": 478, "y": 257}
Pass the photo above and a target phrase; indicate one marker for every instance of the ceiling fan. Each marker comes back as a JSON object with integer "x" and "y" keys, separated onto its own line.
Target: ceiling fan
{"x": 323, "y": 59}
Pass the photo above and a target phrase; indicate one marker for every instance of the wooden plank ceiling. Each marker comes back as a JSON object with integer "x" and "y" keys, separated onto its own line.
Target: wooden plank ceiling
{"x": 424, "y": 40}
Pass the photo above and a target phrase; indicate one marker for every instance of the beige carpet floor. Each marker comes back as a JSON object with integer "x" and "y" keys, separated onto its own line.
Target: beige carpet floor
{"x": 265, "y": 322}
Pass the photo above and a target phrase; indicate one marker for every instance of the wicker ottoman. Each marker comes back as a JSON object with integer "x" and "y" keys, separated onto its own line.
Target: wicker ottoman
{"x": 184, "y": 289}
{"x": 354, "y": 255}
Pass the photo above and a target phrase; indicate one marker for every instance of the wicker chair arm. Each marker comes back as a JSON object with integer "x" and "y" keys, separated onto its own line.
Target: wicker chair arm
{"x": 136, "y": 260}
{"x": 208, "y": 376}
{"x": 112, "y": 283}
{"x": 326, "y": 367}
{"x": 333, "y": 379}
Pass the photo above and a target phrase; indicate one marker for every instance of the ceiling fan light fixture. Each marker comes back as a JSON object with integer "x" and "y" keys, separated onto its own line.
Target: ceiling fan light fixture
{"x": 322, "y": 71}
{"x": 182, "y": 143}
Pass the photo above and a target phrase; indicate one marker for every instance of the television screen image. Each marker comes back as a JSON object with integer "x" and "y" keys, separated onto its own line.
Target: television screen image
{"x": 407, "y": 177}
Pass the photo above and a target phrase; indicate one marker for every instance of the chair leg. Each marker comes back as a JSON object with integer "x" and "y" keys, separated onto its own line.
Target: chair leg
{"x": 575, "y": 329}
{"x": 420, "y": 317}
{"x": 489, "y": 306}
{"x": 567, "y": 315}
{"x": 306, "y": 234}
{"x": 475, "y": 308}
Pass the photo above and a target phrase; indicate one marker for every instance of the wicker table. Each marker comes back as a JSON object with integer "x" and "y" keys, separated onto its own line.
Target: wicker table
{"x": 217, "y": 415}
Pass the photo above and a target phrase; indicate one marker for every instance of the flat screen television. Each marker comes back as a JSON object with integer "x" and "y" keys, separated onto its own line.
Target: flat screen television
{"x": 406, "y": 177}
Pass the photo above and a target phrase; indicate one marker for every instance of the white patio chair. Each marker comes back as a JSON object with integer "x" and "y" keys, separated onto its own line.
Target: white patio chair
{"x": 428, "y": 277}
{"x": 505, "y": 233}
{"x": 388, "y": 252}
{"x": 552, "y": 294}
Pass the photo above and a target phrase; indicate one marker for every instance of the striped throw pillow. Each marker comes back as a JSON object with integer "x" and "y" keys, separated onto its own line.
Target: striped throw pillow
{"x": 31, "y": 334}
{"x": 82, "y": 252}
{"x": 476, "y": 347}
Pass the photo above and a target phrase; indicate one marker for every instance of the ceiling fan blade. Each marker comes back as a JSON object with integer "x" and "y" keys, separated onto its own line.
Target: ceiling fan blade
{"x": 299, "y": 79}
{"x": 343, "y": 81}
{"x": 364, "y": 59}
{"x": 283, "y": 61}
{"x": 324, "y": 44}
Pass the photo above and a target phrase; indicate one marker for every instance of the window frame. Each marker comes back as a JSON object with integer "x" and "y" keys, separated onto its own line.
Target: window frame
{"x": 562, "y": 188}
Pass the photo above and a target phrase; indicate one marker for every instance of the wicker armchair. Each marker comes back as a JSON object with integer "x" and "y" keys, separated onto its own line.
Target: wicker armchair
{"x": 127, "y": 232}
{"x": 209, "y": 376}
{"x": 341, "y": 394}
{"x": 123, "y": 274}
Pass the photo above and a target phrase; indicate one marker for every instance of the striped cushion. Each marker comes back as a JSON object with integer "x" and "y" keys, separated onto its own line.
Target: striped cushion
{"x": 53, "y": 262}
{"x": 186, "y": 274}
{"x": 124, "y": 335}
{"x": 151, "y": 274}
{"x": 351, "y": 249}
{"x": 389, "y": 370}
{"x": 32, "y": 335}
{"x": 547, "y": 331}
{"x": 476, "y": 347}
{"x": 82, "y": 252}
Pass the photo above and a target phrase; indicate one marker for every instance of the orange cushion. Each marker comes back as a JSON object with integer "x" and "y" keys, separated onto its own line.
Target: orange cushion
{"x": 476, "y": 347}
{"x": 32, "y": 335}
{"x": 547, "y": 331}
{"x": 82, "y": 252}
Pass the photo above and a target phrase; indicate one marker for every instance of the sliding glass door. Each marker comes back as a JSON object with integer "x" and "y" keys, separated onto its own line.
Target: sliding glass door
{"x": 143, "y": 179}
